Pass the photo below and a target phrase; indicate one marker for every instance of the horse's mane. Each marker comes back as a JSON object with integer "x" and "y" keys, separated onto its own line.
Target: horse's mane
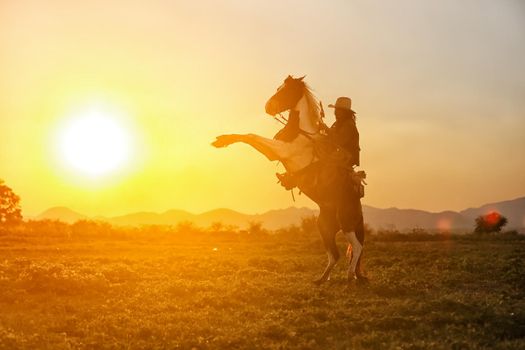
{"x": 313, "y": 103}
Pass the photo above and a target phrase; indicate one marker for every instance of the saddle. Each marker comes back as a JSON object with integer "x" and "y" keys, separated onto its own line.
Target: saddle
{"x": 290, "y": 180}
{"x": 312, "y": 177}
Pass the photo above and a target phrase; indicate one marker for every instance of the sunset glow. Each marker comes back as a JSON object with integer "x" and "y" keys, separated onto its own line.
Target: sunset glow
{"x": 236, "y": 174}
{"x": 430, "y": 99}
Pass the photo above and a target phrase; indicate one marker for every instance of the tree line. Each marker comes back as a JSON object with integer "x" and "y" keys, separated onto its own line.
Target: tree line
{"x": 11, "y": 215}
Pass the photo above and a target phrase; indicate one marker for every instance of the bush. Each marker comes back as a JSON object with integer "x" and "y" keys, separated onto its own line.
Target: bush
{"x": 491, "y": 222}
{"x": 256, "y": 228}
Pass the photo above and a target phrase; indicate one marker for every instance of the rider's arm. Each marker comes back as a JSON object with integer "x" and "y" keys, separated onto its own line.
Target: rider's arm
{"x": 346, "y": 142}
{"x": 349, "y": 141}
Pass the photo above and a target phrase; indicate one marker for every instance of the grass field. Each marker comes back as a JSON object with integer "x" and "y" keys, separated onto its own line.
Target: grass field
{"x": 158, "y": 289}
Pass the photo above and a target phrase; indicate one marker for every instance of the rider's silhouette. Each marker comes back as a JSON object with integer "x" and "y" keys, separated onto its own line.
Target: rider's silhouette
{"x": 343, "y": 134}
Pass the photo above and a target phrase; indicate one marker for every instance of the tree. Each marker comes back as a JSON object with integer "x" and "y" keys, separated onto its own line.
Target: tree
{"x": 10, "y": 212}
{"x": 256, "y": 228}
{"x": 491, "y": 222}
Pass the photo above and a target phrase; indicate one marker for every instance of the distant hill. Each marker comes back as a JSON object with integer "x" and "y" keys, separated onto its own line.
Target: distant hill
{"x": 226, "y": 216}
{"x": 514, "y": 210}
{"x": 272, "y": 219}
{"x": 390, "y": 218}
{"x": 285, "y": 217}
{"x": 402, "y": 219}
{"x": 61, "y": 213}
{"x": 170, "y": 217}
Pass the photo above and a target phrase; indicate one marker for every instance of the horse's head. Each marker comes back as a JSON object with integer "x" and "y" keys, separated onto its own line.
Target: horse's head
{"x": 292, "y": 95}
{"x": 287, "y": 96}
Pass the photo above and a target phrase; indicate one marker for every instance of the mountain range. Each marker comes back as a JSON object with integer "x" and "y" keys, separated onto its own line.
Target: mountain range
{"x": 390, "y": 218}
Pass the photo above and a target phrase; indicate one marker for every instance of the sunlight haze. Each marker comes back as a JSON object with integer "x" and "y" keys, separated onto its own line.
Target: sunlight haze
{"x": 438, "y": 87}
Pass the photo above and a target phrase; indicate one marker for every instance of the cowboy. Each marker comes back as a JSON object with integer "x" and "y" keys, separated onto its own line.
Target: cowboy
{"x": 344, "y": 135}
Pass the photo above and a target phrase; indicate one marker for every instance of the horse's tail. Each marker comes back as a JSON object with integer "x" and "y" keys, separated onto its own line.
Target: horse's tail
{"x": 360, "y": 235}
{"x": 360, "y": 230}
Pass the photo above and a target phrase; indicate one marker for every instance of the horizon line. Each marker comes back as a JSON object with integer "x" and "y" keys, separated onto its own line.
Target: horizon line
{"x": 256, "y": 213}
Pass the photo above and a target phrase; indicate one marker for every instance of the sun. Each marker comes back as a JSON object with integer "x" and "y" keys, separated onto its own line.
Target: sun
{"x": 94, "y": 143}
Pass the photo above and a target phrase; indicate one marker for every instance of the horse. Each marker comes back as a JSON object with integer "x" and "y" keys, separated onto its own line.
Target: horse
{"x": 299, "y": 146}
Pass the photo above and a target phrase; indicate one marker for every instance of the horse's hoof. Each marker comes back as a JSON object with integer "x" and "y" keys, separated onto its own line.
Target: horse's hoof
{"x": 358, "y": 279}
{"x": 217, "y": 144}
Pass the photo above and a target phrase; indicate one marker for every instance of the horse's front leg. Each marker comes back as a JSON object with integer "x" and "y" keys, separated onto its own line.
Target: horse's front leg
{"x": 271, "y": 149}
{"x": 226, "y": 140}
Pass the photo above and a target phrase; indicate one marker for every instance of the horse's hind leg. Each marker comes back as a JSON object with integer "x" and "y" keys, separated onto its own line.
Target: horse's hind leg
{"x": 327, "y": 224}
{"x": 350, "y": 214}
{"x": 356, "y": 240}
{"x": 357, "y": 249}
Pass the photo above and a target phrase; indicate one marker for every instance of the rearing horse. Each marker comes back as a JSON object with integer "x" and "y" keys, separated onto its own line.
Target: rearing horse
{"x": 298, "y": 147}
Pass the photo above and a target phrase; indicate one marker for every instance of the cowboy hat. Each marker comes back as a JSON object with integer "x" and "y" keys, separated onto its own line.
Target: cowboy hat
{"x": 342, "y": 103}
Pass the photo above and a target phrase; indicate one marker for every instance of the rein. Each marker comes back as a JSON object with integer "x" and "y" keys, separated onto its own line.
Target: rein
{"x": 279, "y": 120}
{"x": 285, "y": 122}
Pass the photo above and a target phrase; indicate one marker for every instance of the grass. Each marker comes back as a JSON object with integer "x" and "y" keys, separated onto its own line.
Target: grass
{"x": 161, "y": 289}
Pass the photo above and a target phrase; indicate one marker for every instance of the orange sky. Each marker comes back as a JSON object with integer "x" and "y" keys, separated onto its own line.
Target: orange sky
{"x": 439, "y": 89}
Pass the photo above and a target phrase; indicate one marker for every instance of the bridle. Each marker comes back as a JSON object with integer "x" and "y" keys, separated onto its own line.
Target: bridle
{"x": 282, "y": 119}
